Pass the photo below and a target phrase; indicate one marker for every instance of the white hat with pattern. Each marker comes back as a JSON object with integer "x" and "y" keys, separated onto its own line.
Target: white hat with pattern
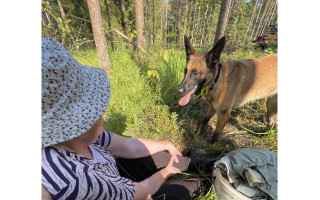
{"x": 74, "y": 96}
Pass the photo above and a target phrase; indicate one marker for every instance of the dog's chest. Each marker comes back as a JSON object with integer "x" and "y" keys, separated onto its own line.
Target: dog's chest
{"x": 212, "y": 96}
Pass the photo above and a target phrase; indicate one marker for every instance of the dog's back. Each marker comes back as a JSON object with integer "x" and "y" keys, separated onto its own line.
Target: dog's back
{"x": 250, "y": 79}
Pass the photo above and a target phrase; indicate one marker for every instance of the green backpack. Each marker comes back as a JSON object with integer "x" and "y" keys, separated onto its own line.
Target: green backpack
{"x": 251, "y": 173}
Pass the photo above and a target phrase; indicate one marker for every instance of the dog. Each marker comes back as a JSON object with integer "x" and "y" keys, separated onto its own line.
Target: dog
{"x": 228, "y": 84}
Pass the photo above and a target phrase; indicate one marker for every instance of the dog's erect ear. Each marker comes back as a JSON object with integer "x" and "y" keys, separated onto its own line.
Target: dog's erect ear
{"x": 189, "y": 49}
{"x": 213, "y": 56}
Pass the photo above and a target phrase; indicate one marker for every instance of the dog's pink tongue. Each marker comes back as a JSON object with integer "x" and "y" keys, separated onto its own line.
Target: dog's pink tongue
{"x": 184, "y": 100}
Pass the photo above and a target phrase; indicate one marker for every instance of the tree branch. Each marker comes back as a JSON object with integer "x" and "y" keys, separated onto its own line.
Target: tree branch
{"x": 136, "y": 45}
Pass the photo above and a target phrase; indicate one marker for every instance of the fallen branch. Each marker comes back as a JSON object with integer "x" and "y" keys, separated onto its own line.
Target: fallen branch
{"x": 85, "y": 42}
{"x": 235, "y": 132}
{"x": 78, "y": 18}
{"x": 136, "y": 45}
{"x": 117, "y": 31}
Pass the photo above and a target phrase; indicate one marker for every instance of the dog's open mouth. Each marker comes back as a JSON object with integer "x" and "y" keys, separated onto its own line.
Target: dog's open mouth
{"x": 186, "y": 98}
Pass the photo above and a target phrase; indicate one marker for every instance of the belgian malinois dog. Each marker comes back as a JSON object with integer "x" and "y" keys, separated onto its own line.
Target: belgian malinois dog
{"x": 228, "y": 84}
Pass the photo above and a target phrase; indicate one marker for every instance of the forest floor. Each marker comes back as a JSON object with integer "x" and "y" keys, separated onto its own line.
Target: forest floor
{"x": 247, "y": 127}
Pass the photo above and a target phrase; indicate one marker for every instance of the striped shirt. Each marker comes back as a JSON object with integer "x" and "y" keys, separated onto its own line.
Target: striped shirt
{"x": 67, "y": 175}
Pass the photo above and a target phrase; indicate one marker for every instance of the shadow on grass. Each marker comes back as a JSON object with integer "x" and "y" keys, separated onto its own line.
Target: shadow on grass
{"x": 116, "y": 122}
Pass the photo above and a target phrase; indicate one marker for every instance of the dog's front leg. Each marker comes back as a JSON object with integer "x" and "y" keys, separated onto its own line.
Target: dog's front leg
{"x": 205, "y": 119}
{"x": 222, "y": 118}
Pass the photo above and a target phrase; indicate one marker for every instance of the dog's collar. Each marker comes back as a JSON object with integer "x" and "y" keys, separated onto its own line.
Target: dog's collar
{"x": 217, "y": 77}
{"x": 204, "y": 90}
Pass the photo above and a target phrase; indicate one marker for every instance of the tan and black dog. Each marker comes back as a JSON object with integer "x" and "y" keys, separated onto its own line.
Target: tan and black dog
{"x": 229, "y": 83}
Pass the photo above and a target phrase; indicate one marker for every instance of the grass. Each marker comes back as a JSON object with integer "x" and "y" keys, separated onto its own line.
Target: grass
{"x": 144, "y": 103}
{"x": 207, "y": 195}
{"x": 135, "y": 108}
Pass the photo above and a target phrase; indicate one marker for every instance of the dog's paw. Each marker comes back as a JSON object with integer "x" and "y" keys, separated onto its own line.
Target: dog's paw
{"x": 215, "y": 138}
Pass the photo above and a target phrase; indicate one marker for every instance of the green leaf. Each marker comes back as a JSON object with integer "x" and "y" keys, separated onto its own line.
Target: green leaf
{"x": 166, "y": 55}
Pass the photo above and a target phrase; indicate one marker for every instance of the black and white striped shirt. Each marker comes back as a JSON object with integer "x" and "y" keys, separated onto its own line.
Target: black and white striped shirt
{"x": 67, "y": 175}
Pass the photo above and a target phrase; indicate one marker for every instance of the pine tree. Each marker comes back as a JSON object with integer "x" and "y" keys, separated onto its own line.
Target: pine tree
{"x": 99, "y": 35}
{"x": 223, "y": 18}
{"x": 139, "y": 22}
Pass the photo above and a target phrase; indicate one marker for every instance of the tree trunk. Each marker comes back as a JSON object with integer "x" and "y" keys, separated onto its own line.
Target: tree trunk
{"x": 185, "y": 17}
{"x": 124, "y": 20}
{"x": 265, "y": 18}
{"x": 223, "y": 18}
{"x": 107, "y": 13}
{"x": 204, "y": 26}
{"x": 63, "y": 15}
{"x": 193, "y": 7}
{"x": 161, "y": 4}
{"x": 270, "y": 16}
{"x": 262, "y": 18}
{"x": 194, "y": 18}
{"x": 179, "y": 21}
{"x": 233, "y": 9}
{"x": 98, "y": 34}
{"x": 153, "y": 19}
{"x": 166, "y": 25}
{"x": 61, "y": 9}
{"x": 205, "y": 29}
{"x": 149, "y": 32}
{"x": 256, "y": 21}
{"x": 238, "y": 17}
{"x": 245, "y": 36}
{"x": 68, "y": 29}
{"x": 230, "y": 9}
{"x": 109, "y": 22}
{"x": 275, "y": 6}
{"x": 46, "y": 20}
{"x": 197, "y": 25}
{"x": 140, "y": 22}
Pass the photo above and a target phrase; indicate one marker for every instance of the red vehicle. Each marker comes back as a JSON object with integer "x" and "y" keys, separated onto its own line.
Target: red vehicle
{"x": 271, "y": 35}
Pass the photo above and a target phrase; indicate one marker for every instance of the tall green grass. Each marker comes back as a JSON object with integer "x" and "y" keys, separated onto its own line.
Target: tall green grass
{"x": 135, "y": 108}
{"x": 165, "y": 71}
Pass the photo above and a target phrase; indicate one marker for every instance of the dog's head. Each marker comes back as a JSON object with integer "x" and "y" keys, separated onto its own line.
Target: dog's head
{"x": 199, "y": 70}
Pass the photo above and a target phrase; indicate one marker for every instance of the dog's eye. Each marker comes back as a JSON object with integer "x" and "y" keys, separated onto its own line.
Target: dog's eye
{"x": 195, "y": 73}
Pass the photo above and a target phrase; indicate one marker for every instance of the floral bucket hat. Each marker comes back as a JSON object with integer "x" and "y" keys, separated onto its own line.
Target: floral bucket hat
{"x": 74, "y": 96}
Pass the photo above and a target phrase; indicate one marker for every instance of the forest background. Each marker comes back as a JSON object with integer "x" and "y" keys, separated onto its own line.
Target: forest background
{"x": 140, "y": 44}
